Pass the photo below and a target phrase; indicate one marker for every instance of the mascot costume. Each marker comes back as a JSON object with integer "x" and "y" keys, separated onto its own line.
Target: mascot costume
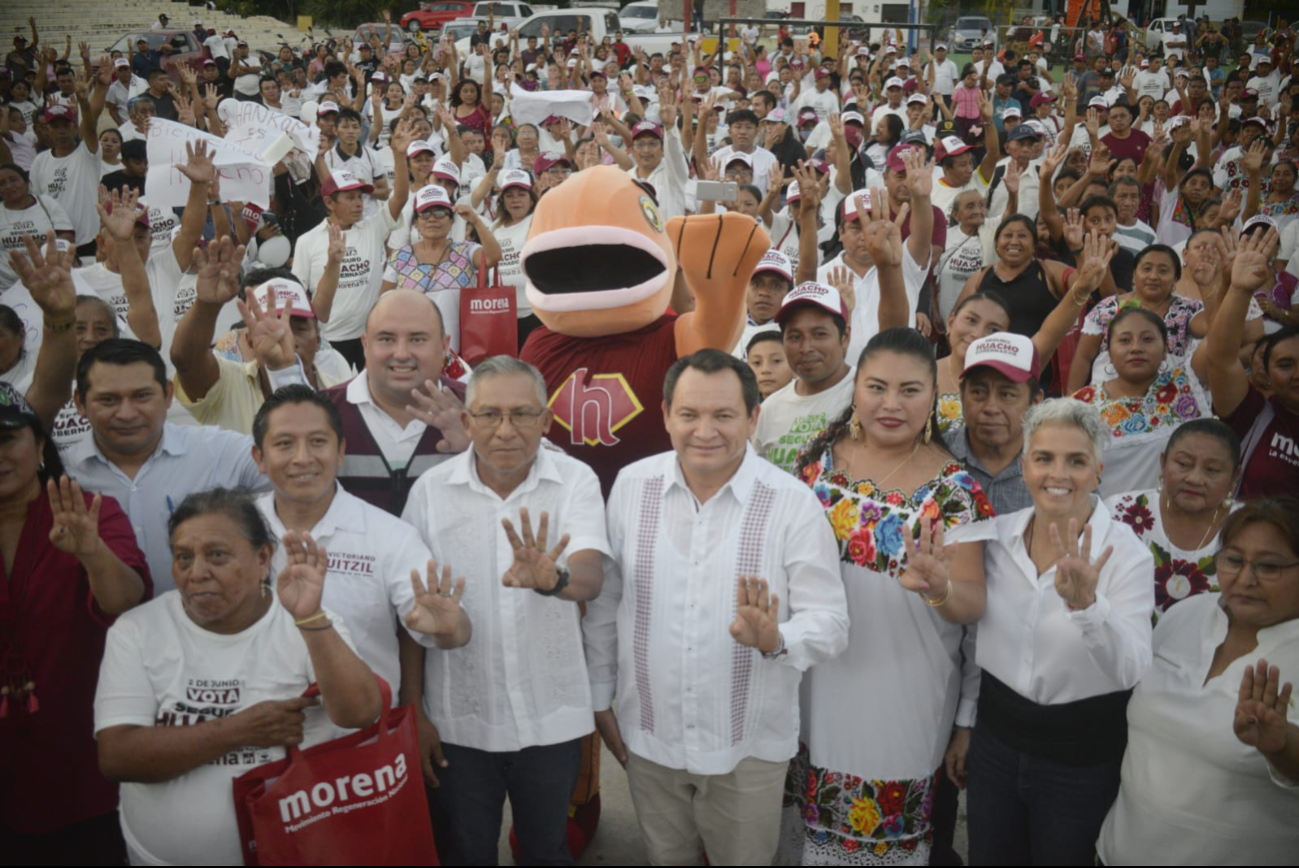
{"x": 601, "y": 264}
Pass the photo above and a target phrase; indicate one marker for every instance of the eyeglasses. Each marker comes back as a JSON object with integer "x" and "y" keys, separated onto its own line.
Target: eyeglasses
{"x": 522, "y": 420}
{"x": 1230, "y": 566}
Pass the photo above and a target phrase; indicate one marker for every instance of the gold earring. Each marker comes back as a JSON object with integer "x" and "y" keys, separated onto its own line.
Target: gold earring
{"x": 929, "y": 429}
{"x": 854, "y": 426}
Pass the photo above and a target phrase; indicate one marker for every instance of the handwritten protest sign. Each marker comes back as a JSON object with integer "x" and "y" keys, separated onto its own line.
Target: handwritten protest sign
{"x": 253, "y": 127}
{"x": 245, "y": 177}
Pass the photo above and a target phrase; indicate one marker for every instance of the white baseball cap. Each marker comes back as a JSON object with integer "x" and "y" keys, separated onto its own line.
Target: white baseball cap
{"x": 811, "y": 293}
{"x": 446, "y": 169}
{"x": 1013, "y": 356}
{"x": 778, "y": 262}
{"x": 893, "y": 82}
{"x": 515, "y": 178}
{"x": 432, "y": 196}
{"x": 288, "y": 292}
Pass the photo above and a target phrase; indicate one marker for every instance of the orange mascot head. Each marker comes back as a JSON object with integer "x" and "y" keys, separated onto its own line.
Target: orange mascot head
{"x": 598, "y": 260}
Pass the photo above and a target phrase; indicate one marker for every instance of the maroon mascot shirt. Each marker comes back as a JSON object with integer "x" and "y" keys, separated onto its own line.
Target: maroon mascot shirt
{"x": 606, "y": 393}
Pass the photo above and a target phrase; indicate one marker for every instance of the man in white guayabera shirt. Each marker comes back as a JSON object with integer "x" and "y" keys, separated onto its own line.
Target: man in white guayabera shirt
{"x": 722, "y": 590}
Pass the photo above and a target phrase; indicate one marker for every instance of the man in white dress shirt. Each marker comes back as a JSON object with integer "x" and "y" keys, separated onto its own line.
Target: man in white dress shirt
{"x": 513, "y": 706}
{"x": 148, "y": 464}
{"x": 706, "y": 679}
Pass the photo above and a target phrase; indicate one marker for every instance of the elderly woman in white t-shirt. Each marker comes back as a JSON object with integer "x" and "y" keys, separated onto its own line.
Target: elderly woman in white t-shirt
{"x": 1211, "y": 772}
{"x": 205, "y": 683}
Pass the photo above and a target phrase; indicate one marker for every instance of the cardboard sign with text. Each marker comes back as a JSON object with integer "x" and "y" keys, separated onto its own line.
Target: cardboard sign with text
{"x": 245, "y": 177}
{"x": 253, "y": 127}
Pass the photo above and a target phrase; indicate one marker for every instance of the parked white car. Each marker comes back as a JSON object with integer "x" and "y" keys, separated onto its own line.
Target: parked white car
{"x": 639, "y": 17}
{"x": 509, "y": 14}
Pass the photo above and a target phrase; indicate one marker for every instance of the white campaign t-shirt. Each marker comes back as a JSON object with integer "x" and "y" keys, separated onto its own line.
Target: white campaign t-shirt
{"x": 789, "y": 420}
{"x": 162, "y": 669}
{"x": 512, "y": 239}
{"x": 962, "y": 257}
{"x": 73, "y": 181}
{"x": 44, "y": 215}
{"x": 164, "y": 287}
{"x": 361, "y": 274}
{"x": 865, "y": 316}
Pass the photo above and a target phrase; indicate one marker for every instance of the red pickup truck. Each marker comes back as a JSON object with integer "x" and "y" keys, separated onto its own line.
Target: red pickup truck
{"x": 431, "y": 16}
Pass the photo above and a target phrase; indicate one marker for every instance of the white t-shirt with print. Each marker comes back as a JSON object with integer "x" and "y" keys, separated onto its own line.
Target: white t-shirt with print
{"x": 44, "y": 215}
{"x": 512, "y": 239}
{"x": 865, "y": 316}
{"x": 161, "y": 669}
{"x": 73, "y": 181}
{"x": 361, "y": 274}
{"x": 788, "y": 420}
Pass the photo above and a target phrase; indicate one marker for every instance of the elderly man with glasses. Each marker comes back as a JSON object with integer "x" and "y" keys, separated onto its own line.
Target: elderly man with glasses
{"x": 525, "y": 527}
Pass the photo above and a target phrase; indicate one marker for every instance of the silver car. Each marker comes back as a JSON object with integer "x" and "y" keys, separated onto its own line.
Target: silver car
{"x": 970, "y": 32}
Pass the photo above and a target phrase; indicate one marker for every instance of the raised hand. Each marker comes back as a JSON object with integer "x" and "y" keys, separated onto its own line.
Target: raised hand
{"x": 1013, "y": 176}
{"x": 1252, "y": 265}
{"x": 882, "y": 236}
{"x": 211, "y": 96}
{"x": 835, "y": 122}
{"x": 185, "y": 111}
{"x": 985, "y": 107}
{"x": 48, "y": 277}
{"x": 187, "y": 76}
{"x": 302, "y": 581}
{"x": 929, "y": 562}
{"x": 402, "y": 136}
{"x": 533, "y": 567}
{"x": 1093, "y": 123}
{"x": 1093, "y": 263}
{"x": 198, "y": 165}
{"x": 218, "y": 271}
{"x": 1100, "y": 161}
{"x": 437, "y": 607}
{"x": 76, "y": 528}
{"x": 441, "y": 409}
{"x": 845, "y": 283}
{"x": 1229, "y": 210}
{"x": 920, "y": 173}
{"x": 1076, "y": 574}
{"x": 1073, "y": 229}
{"x": 1254, "y": 157}
{"x": 757, "y": 615}
{"x": 1262, "y": 708}
{"x": 270, "y": 333}
{"x": 337, "y": 245}
{"x": 119, "y": 223}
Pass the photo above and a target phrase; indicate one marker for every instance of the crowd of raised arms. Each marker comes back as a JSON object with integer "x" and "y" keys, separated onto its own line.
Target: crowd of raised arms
{"x": 795, "y": 580}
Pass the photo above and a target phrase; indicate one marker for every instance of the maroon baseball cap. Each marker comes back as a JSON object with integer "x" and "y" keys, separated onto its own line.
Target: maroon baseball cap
{"x": 894, "y": 162}
{"x": 60, "y": 112}
{"x": 647, "y": 127}
{"x": 548, "y": 159}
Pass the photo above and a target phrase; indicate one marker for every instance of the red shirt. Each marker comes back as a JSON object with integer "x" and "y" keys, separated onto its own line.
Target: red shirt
{"x": 606, "y": 393}
{"x": 1133, "y": 146}
{"x": 1273, "y": 467}
{"x": 52, "y": 633}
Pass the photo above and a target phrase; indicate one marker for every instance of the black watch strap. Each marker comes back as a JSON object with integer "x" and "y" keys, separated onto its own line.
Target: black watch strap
{"x": 560, "y": 584}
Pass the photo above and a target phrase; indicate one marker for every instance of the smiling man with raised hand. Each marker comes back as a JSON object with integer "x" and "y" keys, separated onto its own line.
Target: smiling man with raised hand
{"x": 519, "y": 731}
{"x": 401, "y": 414}
{"x": 137, "y": 457}
{"x": 298, "y": 443}
{"x": 722, "y": 591}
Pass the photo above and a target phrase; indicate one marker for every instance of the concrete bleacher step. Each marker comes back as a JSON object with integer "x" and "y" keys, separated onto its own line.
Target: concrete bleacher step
{"x": 100, "y": 24}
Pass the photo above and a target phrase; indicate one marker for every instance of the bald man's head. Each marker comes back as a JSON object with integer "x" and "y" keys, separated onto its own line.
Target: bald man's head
{"x": 405, "y": 343}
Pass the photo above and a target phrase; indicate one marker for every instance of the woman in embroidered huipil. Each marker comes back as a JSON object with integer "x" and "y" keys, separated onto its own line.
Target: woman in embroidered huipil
{"x": 1145, "y": 400}
{"x": 877, "y": 719}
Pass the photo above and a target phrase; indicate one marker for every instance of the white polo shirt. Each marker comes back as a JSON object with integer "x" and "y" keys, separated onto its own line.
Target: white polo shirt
{"x": 522, "y": 681}
{"x": 188, "y": 459}
{"x": 371, "y": 554}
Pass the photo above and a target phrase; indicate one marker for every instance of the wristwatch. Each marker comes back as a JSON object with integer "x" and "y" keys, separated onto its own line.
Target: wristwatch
{"x": 560, "y": 584}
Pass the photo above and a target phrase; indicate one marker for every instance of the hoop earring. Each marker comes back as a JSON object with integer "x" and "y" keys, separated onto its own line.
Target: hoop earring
{"x": 854, "y": 426}
{"x": 1165, "y": 366}
{"x": 1110, "y": 370}
{"x": 1228, "y": 501}
{"x": 929, "y": 430}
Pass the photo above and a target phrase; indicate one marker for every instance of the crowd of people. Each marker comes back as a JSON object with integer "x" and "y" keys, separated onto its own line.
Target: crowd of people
{"x": 242, "y": 451}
